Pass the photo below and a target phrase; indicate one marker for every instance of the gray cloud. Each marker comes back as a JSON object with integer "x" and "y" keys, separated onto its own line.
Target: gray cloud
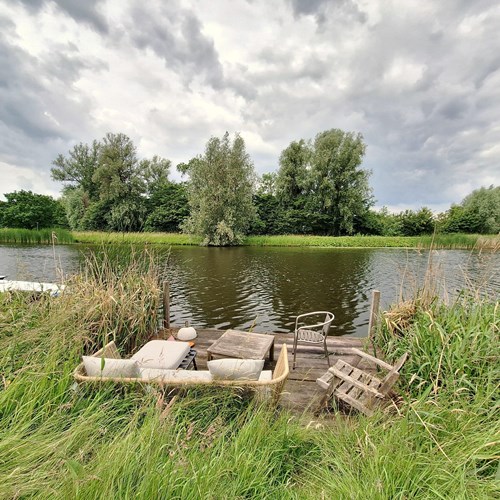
{"x": 175, "y": 35}
{"x": 419, "y": 83}
{"x": 85, "y": 11}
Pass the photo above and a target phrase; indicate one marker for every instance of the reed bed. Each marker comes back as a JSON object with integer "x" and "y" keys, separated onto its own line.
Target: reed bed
{"x": 60, "y": 442}
{"x": 35, "y": 236}
{"x": 451, "y": 241}
{"x": 97, "y": 237}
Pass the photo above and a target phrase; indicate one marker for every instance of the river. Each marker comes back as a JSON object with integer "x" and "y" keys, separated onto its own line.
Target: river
{"x": 268, "y": 286}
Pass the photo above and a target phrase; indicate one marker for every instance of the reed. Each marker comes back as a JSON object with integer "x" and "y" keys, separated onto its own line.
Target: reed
{"x": 452, "y": 241}
{"x": 35, "y": 236}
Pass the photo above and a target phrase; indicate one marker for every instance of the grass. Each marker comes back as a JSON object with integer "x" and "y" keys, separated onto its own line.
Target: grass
{"x": 58, "y": 442}
{"x": 463, "y": 241}
{"x": 35, "y": 236}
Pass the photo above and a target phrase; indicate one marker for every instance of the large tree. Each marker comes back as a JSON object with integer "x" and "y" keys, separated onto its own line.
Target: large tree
{"x": 220, "y": 191}
{"x": 292, "y": 177}
{"x": 339, "y": 186}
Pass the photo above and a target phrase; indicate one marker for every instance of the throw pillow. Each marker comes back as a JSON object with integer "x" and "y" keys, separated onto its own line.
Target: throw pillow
{"x": 235, "y": 369}
{"x": 124, "y": 368}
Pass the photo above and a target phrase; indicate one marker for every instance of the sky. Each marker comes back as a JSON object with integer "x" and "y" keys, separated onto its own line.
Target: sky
{"x": 420, "y": 80}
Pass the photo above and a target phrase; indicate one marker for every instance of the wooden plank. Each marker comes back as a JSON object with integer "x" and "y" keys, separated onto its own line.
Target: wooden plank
{"x": 374, "y": 307}
{"x": 355, "y": 381}
{"x": 373, "y": 359}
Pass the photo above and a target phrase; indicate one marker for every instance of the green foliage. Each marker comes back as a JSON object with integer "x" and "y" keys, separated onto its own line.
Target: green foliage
{"x": 416, "y": 223}
{"x": 37, "y": 236}
{"x": 293, "y": 177}
{"x": 220, "y": 192}
{"x": 479, "y": 212}
{"x": 168, "y": 208}
{"x": 25, "y": 209}
{"x": 340, "y": 186}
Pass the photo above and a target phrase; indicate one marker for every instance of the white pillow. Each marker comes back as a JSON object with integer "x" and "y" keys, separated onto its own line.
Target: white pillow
{"x": 161, "y": 354}
{"x": 235, "y": 369}
{"x": 125, "y": 368}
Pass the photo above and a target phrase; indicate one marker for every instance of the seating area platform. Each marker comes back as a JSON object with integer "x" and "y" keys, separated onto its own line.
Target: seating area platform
{"x": 301, "y": 391}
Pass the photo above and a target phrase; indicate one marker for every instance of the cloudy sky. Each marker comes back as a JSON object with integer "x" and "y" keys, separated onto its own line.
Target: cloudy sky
{"x": 419, "y": 79}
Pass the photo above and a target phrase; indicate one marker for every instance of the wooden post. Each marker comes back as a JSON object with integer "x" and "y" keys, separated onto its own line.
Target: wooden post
{"x": 166, "y": 305}
{"x": 373, "y": 313}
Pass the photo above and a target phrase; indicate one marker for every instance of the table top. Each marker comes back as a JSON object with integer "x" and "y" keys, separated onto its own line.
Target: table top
{"x": 243, "y": 345}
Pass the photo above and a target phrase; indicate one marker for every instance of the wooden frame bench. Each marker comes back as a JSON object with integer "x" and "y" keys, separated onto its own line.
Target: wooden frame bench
{"x": 274, "y": 386}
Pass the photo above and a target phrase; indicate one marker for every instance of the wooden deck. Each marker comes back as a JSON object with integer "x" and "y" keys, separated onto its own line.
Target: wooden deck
{"x": 301, "y": 392}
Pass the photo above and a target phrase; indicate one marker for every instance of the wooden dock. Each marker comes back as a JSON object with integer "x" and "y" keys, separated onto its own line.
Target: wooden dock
{"x": 301, "y": 393}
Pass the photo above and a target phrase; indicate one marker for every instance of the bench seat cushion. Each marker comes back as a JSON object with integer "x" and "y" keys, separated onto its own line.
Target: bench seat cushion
{"x": 124, "y": 368}
{"x": 161, "y": 354}
{"x": 174, "y": 375}
{"x": 235, "y": 369}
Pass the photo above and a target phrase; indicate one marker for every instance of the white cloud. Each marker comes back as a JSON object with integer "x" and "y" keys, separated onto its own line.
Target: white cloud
{"x": 418, "y": 79}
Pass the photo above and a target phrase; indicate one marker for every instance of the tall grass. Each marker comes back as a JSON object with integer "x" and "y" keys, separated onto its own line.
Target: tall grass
{"x": 55, "y": 441}
{"x": 35, "y": 236}
{"x": 463, "y": 241}
{"x": 98, "y": 237}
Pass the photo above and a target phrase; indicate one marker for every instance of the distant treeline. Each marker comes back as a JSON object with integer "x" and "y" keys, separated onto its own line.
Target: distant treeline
{"x": 318, "y": 189}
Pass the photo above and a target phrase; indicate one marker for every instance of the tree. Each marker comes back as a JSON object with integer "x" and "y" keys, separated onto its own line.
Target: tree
{"x": 220, "y": 192}
{"x": 78, "y": 168}
{"x": 267, "y": 184}
{"x": 117, "y": 174}
{"x": 292, "y": 177}
{"x": 25, "y": 209}
{"x": 168, "y": 208}
{"x": 339, "y": 186}
{"x": 416, "y": 223}
{"x": 479, "y": 212}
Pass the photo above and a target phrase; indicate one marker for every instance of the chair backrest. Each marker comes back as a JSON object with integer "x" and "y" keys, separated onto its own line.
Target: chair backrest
{"x": 390, "y": 379}
{"x": 328, "y": 322}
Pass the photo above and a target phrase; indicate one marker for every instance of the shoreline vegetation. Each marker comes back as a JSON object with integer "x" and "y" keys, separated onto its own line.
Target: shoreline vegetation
{"x": 441, "y": 441}
{"x": 438, "y": 241}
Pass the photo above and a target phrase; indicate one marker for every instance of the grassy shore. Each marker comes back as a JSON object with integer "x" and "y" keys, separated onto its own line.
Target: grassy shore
{"x": 463, "y": 241}
{"x": 58, "y": 442}
{"x": 35, "y": 236}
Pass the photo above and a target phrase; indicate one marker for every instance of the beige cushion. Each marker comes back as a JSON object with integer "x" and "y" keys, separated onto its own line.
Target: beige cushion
{"x": 174, "y": 375}
{"x": 235, "y": 369}
{"x": 266, "y": 376}
{"x": 161, "y": 354}
{"x": 123, "y": 368}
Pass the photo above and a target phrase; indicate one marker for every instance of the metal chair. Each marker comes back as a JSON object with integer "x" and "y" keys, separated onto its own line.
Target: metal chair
{"x": 312, "y": 334}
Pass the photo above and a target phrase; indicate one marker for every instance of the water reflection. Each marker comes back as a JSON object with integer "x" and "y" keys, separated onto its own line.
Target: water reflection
{"x": 268, "y": 287}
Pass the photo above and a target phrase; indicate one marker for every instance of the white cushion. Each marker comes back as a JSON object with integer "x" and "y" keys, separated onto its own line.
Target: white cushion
{"x": 125, "y": 368}
{"x": 266, "y": 375}
{"x": 161, "y": 354}
{"x": 235, "y": 369}
{"x": 165, "y": 375}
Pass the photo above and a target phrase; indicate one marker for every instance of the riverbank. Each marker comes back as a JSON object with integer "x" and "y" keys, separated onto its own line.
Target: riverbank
{"x": 442, "y": 442}
{"x": 451, "y": 241}
{"x": 440, "y": 241}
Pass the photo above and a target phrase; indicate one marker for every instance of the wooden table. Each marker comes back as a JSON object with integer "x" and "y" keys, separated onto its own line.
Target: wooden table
{"x": 242, "y": 345}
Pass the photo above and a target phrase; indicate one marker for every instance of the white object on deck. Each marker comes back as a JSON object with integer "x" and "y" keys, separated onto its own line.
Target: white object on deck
{"x": 30, "y": 286}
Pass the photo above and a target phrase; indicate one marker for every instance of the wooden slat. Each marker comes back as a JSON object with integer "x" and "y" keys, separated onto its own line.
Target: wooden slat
{"x": 373, "y": 359}
{"x": 356, "y": 381}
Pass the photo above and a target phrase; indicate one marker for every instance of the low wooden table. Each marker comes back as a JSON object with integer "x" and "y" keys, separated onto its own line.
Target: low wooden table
{"x": 242, "y": 345}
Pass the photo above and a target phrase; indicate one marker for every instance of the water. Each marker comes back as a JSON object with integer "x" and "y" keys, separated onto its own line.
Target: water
{"x": 267, "y": 287}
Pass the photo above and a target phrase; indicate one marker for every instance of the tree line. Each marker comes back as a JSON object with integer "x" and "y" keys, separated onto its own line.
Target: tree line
{"x": 319, "y": 188}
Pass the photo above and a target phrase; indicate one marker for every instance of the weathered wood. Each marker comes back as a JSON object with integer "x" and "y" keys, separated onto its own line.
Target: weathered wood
{"x": 374, "y": 307}
{"x": 373, "y": 359}
{"x": 166, "y": 305}
{"x": 353, "y": 381}
{"x": 244, "y": 345}
{"x": 360, "y": 389}
{"x": 300, "y": 392}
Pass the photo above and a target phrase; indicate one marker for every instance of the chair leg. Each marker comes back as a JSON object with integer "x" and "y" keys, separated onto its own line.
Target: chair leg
{"x": 326, "y": 353}
{"x": 294, "y": 351}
